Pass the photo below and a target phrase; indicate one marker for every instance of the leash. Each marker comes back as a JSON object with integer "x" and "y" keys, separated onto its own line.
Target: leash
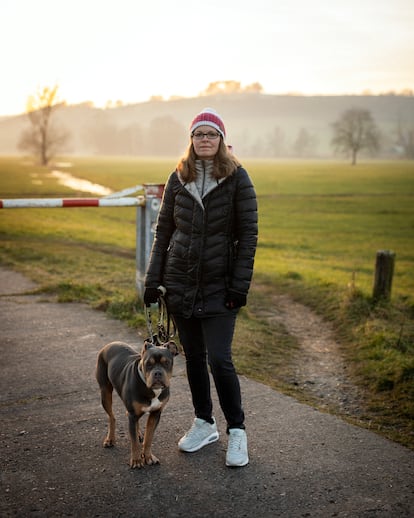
{"x": 166, "y": 328}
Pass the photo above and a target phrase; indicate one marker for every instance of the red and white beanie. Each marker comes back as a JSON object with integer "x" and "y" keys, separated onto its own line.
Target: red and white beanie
{"x": 208, "y": 117}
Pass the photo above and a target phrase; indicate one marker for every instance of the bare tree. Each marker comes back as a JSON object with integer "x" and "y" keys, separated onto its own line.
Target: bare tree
{"x": 43, "y": 138}
{"x": 354, "y": 131}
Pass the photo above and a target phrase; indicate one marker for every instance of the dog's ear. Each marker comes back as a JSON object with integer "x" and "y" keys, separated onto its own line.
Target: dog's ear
{"x": 147, "y": 345}
{"x": 172, "y": 347}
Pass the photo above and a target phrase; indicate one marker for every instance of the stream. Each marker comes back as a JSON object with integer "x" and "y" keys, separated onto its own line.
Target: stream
{"x": 78, "y": 184}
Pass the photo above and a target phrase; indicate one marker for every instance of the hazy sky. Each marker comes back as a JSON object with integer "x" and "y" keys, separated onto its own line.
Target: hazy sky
{"x": 129, "y": 50}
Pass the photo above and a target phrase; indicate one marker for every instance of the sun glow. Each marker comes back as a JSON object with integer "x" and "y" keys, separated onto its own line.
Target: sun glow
{"x": 126, "y": 51}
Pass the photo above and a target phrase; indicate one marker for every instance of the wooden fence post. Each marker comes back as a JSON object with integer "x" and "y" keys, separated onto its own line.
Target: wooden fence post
{"x": 384, "y": 271}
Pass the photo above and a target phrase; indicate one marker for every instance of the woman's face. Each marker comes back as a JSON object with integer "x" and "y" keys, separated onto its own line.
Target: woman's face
{"x": 206, "y": 142}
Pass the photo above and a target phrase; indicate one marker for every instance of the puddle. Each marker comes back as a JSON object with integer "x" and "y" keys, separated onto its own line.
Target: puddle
{"x": 77, "y": 184}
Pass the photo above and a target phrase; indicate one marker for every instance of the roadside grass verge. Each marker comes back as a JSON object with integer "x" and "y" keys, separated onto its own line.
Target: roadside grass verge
{"x": 320, "y": 227}
{"x": 377, "y": 341}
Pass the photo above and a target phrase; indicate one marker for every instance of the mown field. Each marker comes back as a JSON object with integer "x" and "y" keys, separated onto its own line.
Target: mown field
{"x": 321, "y": 225}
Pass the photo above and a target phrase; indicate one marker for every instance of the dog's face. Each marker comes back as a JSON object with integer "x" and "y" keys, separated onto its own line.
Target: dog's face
{"x": 156, "y": 364}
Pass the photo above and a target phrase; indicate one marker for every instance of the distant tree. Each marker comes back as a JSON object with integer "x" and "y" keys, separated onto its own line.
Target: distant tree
{"x": 256, "y": 147}
{"x": 43, "y": 138}
{"x": 276, "y": 143}
{"x": 305, "y": 144}
{"x": 355, "y": 131}
{"x": 254, "y": 88}
{"x": 231, "y": 87}
{"x": 103, "y": 136}
{"x": 223, "y": 87}
{"x": 405, "y": 139}
{"x": 165, "y": 136}
{"x": 131, "y": 140}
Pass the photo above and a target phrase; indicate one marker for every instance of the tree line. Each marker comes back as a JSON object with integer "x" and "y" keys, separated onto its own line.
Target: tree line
{"x": 354, "y": 132}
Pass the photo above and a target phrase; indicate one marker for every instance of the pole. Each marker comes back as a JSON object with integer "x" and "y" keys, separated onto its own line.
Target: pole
{"x": 384, "y": 271}
{"x": 146, "y": 222}
{"x": 50, "y": 203}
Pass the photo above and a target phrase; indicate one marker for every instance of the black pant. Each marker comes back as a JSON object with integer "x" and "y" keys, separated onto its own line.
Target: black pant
{"x": 209, "y": 340}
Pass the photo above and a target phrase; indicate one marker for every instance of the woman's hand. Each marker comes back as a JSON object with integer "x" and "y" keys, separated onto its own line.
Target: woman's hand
{"x": 235, "y": 300}
{"x": 151, "y": 296}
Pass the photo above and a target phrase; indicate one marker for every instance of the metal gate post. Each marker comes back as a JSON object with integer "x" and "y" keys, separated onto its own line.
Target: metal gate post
{"x": 146, "y": 221}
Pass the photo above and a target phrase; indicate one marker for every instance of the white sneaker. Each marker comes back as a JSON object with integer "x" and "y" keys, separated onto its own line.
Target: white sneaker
{"x": 200, "y": 434}
{"x": 237, "y": 455}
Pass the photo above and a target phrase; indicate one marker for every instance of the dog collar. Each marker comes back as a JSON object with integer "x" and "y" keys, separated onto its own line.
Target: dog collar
{"x": 141, "y": 374}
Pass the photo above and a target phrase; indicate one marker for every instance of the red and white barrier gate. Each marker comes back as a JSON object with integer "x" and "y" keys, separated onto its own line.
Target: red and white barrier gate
{"x": 147, "y": 211}
{"x": 45, "y": 203}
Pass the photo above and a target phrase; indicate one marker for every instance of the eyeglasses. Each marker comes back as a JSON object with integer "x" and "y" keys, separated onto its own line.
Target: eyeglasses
{"x": 211, "y": 135}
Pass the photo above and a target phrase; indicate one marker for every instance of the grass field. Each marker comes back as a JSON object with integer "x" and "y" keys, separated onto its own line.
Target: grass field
{"x": 321, "y": 224}
{"x": 325, "y": 222}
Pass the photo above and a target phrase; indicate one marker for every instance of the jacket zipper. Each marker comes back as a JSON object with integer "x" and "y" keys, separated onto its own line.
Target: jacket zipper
{"x": 203, "y": 185}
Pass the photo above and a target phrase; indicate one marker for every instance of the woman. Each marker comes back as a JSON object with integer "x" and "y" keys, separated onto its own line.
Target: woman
{"x": 203, "y": 254}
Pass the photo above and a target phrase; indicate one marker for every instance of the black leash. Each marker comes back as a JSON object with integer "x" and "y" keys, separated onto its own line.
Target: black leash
{"x": 166, "y": 328}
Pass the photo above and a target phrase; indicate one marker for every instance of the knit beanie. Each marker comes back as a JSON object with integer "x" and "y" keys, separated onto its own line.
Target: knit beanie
{"x": 208, "y": 117}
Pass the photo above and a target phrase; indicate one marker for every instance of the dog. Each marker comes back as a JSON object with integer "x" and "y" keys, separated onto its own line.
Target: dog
{"x": 142, "y": 381}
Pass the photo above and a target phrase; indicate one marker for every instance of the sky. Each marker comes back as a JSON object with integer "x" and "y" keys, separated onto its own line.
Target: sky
{"x": 131, "y": 50}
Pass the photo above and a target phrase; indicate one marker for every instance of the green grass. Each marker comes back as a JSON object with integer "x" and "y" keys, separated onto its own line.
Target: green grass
{"x": 321, "y": 224}
{"x": 326, "y": 221}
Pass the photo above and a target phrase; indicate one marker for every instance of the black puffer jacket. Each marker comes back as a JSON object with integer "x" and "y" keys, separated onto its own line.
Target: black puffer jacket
{"x": 199, "y": 253}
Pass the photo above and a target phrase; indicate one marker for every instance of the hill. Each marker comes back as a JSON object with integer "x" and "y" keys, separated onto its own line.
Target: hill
{"x": 257, "y": 125}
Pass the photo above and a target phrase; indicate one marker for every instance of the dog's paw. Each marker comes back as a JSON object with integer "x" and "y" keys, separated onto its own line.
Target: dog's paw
{"x": 136, "y": 463}
{"x": 143, "y": 460}
{"x": 150, "y": 459}
{"x": 108, "y": 442}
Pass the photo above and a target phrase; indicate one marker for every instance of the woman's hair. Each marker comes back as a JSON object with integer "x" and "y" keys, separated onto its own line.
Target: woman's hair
{"x": 224, "y": 163}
